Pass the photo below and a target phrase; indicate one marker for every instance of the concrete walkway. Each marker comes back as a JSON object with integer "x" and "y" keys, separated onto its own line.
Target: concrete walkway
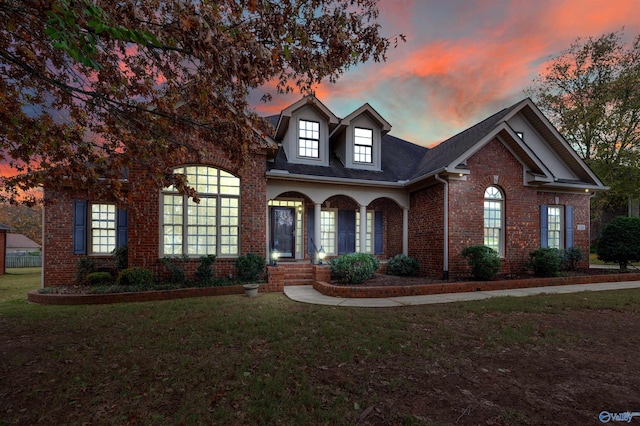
{"x": 307, "y": 294}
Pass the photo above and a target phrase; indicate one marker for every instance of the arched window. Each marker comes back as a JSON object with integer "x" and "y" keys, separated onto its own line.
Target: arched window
{"x": 210, "y": 227}
{"x": 494, "y": 219}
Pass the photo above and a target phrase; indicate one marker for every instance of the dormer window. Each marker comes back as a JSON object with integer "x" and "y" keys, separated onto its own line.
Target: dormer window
{"x": 309, "y": 139}
{"x": 362, "y": 145}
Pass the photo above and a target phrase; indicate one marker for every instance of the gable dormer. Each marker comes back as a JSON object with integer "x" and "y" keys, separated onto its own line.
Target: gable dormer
{"x": 304, "y": 128}
{"x": 359, "y": 138}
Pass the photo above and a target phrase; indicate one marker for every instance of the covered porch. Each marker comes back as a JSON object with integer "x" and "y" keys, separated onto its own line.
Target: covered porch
{"x": 311, "y": 221}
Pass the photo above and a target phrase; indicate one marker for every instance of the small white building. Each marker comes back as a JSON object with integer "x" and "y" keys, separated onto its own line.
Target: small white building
{"x": 18, "y": 243}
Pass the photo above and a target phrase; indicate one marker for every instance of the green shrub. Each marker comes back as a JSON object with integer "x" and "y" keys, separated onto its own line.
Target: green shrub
{"x": 99, "y": 279}
{"x": 85, "y": 266}
{"x": 354, "y": 268}
{"x": 620, "y": 241}
{"x": 401, "y": 264}
{"x": 545, "y": 262}
{"x": 570, "y": 259}
{"x": 135, "y": 277}
{"x": 121, "y": 257}
{"x": 204, "y": 274}
{"x": 250, "y": 267}
{"x": 176, "y": 268}
{"x": 484, "y": 262}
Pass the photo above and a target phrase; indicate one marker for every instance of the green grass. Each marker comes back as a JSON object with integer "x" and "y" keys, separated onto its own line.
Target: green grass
{"x": 15, "y": 285}
{"x": 267, "y": 360}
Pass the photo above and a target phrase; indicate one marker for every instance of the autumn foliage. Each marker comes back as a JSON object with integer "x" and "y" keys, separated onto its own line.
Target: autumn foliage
{"x": 92, "y": 88}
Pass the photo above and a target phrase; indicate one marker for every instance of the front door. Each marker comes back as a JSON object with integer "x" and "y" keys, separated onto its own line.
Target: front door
{"x": 283, "y": 230}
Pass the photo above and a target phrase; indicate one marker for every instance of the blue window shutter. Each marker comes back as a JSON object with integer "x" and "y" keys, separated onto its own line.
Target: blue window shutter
{"x": 346, "y": 231}
{"x": 310, "y": 231}
{"x": 379, "y": 248}
{"x": 79, "y": 227}
{"x": 568, "y": 224}
{"x": 544, "y": 226}
{"x": 122, "y": 232}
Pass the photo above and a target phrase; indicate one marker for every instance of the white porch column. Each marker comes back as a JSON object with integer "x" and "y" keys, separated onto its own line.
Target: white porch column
{"x": 363, "y": 229}
{"x": 317, "y": 232}
{"x": 405, "y": 231}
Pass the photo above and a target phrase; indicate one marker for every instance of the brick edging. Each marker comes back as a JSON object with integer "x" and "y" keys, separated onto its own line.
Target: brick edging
{"x": 142, "y": 296}
{"x": 356, "y": 291}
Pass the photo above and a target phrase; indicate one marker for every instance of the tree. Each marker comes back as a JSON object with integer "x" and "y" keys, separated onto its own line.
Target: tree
{"x": 591, "y": 93}
{"x": 620, "y": 241}
{"x": 23, "y": 219}
{"x": 91, "y": 88}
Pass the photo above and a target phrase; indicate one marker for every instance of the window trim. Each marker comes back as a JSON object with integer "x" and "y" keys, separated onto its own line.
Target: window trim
{"x": 334, "y": 252}
{"x": 91, "y": 229}
{"x": 501, "y": 229}
{"x": 312, "y": 140}
{"x": 368, "y": 147}
{"x": 218, "y": 196}
{"x": 562, "y": 221}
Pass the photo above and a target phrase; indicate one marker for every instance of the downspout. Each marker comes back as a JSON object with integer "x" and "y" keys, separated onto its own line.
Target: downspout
{"x": 445, "y": 265}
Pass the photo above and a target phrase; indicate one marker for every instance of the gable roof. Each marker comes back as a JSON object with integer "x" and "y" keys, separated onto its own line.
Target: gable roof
{"x": 4, "y": 228}
{"x": 450, "y": 155}
{"x": 283, "y": 120}
{"x": 15, "y": 241}
{"x": 407, "y": 163}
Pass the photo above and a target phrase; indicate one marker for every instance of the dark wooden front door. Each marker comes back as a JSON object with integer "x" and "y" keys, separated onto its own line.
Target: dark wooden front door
{"x": 283, "y": 228}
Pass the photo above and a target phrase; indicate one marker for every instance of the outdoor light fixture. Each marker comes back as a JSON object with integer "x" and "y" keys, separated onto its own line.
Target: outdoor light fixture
{"x": 321, "y": 255}
{"x": 274, "y": 257}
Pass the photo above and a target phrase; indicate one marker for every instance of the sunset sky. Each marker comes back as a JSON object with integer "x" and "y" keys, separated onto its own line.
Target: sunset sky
{"x": 464, "y": 59}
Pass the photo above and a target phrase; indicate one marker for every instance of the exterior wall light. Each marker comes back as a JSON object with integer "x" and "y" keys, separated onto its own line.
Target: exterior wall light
{"x": 321, "y": 255}
{"x": 275, "y": 255}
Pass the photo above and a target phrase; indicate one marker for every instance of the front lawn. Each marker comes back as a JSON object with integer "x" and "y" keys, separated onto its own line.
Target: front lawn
{"x": 269, "y": 360}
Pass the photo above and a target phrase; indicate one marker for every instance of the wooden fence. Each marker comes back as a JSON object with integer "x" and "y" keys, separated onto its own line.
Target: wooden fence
{"x": 23, "y": 261}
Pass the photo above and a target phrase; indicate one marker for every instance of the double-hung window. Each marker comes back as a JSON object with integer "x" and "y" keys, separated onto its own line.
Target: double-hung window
{"x": 362, "y": 145}
{"x": 308, "y": 139}
{"x": 103, "y": 228}
{"x": 494, "y": 219}
{"x": 329, "y": 229}
{"x": 210, "y": 227}
{"x": 556, "y": 226}
{"x": 368, "y": 235}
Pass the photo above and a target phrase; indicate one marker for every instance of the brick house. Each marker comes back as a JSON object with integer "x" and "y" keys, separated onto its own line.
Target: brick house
{"x": 332, "y": 185}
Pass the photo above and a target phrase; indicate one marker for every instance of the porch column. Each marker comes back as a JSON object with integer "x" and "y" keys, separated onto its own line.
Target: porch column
{"x": 317, "y": 232}
{"x": 363, "y": 229}
{"x": 405, "y": 231}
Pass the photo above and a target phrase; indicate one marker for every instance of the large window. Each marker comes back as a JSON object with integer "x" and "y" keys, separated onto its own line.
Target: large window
{"x": 369, "y": 233}
{"x": 362, "y": 145}
{"x": 210, "y": 227}
{"x": 555, "y": 227}
{"x": 103, "y": 228}
{"x": 328, "y": 234}
{"x": 309, "y": 139}
{"x": 493, "y": 219}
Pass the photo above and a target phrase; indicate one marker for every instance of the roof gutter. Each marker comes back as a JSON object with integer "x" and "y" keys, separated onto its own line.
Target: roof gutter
{"x": 445, "y": 262}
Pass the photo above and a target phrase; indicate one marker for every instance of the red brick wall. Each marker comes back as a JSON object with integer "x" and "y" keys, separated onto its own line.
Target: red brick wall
{"x": 144, "y": 227}
{"x": 521, "y": 205}
{"x": 426, "y": 230}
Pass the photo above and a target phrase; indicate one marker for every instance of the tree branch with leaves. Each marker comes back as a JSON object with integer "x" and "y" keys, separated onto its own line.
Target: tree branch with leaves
{"x": 89, "y": 88}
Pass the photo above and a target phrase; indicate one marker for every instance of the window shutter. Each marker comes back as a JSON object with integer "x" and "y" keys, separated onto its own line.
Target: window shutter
{"x": 122, "y": 232}
{"x": 346, "y": 231}
{"x": 379, "y": 248}
{"x": 310, "y": 232}
{"x": 79, "y": 227}
{"x": 568, "y": 224}
{"x": 544, "y": 226}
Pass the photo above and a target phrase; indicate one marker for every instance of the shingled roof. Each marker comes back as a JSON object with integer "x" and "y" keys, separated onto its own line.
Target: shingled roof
{"x": 443, "y": 154}
{"x": 399, "y": 159}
